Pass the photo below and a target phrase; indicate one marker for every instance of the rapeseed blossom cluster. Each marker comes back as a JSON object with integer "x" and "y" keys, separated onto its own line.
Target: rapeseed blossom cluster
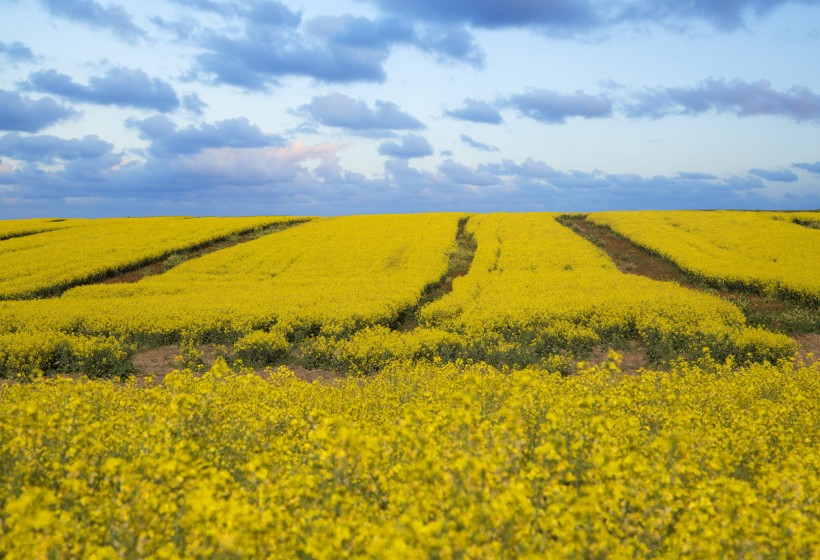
{"x": 418, "y": 461}
{"x": 767, "y": 252}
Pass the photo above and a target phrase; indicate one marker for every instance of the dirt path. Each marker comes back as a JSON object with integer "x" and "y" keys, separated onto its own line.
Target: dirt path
{"x": 630, "y": 258}
{"x": 459, "y": 265}
{"x": 167, "y": 262}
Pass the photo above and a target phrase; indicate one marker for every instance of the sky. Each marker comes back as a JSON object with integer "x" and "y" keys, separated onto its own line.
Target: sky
{"x": 329, "y": 107}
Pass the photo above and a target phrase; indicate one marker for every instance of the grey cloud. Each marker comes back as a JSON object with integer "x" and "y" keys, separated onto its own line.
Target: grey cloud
{"x": 123, "y": 87}
{"x": 114, "y": 17}
{"x": 810, "y": 167}
{"x": 16, "y": 52}
{"x": 738, "y": 97}
{"x": 573, "y": 14}
{"x": 476, "y": 111}
{"x": 777, "y": 175}
{"x": 193, "y": 104}
{"x": 241, "y": 181}
{"x": 168, "y": 141}
{"x": 21, "y": 113}
{"x": 694, "y": 176}
{"x": 551, "y": 107}
{"x": 463, "y": 175}
{"x": 47, "y": 149}
{"x": 274, "y": 43}
{"x": 580, "y": 17}
{"x": 478, "y": 145}
{"x": 409, "y": 146}
{"x": 341, "y": 111}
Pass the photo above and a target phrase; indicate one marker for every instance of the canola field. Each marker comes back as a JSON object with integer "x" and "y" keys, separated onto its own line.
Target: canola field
{"x": 84, "y": 250}
{"x": 465, "y": 419}
{"x": 770, "y": 252}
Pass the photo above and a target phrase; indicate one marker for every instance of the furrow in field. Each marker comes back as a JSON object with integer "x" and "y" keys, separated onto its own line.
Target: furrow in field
{"x": 164, "y": 264}
{"x": 52, "y": 262}
{"x": 459, "y": 265}
{"x": 784, "y": 316}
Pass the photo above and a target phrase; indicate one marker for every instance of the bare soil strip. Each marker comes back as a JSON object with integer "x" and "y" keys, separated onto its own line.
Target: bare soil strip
{"x": 167, "y": 261}
{"x": 783, "y": 316}
{"x": 460, "y": 261}
{"x": 158, "y": 362}
{"x": 806, "y": 223}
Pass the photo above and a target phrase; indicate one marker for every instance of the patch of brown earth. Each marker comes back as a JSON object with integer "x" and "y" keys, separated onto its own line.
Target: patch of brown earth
{"x": 460, "y": 261}
{"x": 324, "y": 376}
{"x": 633, "y": 358}
{"x": 163, "y": 359}
{"x": 808, "y": 344}
{"x": 628, "y": 257}
{"x": 159, "y": 362}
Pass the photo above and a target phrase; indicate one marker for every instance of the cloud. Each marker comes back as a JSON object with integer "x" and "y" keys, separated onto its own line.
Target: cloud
{"x": 810, "y": 167}
{"x": 574, "y": 17}
{"x": 726, "y": 16}
{"x": 114, "y": 18}
{"x": 341, "y": 111}
{"x": 29, "y": 115}
{"x": 551, "y": 107}
{"x": 273, "y": 42}
{"x": 221, "y": 8}
{"x": 302, "y": 179}
{"x": 478, "y": 145}
{"x": 193, "y": 104}
{"x": 741, "y": 98}
{"x": 47, "y": 149}
{"x": 497, "y": 13}
{"x": 777, "y": 175}
{"x": 410, "y": 146}
{"x": 476, "y": 111}
{"x": 464, "y": 175}
{"x": 16, "y": 52}
{"x": 166, "y": 140}
{"x": 454, "y": 43}
{"x": 694, "y": 176}
{"x": 123, "y": 87}
{"x": 530, "y": 169}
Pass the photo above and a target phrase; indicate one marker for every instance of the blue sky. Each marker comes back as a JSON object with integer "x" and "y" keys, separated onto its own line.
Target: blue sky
{"x": 212, "y": 107}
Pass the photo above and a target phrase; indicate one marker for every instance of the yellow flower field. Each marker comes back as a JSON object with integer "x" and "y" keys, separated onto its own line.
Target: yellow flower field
{"x": 764, "y": 251}
{"x": 330, "y": 276}
{"x": 704, "y": 461}
{"x": 466, "y": 427}
{"x": 19, "y": 228}
{"x": 334, "y": 289}
{"x": 84, "y": 250}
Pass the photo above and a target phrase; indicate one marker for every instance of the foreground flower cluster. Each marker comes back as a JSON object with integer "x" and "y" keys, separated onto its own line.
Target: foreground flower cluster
{"x": 422, "y": 461}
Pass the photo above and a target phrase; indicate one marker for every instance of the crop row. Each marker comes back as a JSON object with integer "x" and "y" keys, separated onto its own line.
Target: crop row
{"x": 766, "y": 252}
{"x": 54, "y": 260}
{"x": 332, "y": 291}
{"x": 538, "y": 293}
